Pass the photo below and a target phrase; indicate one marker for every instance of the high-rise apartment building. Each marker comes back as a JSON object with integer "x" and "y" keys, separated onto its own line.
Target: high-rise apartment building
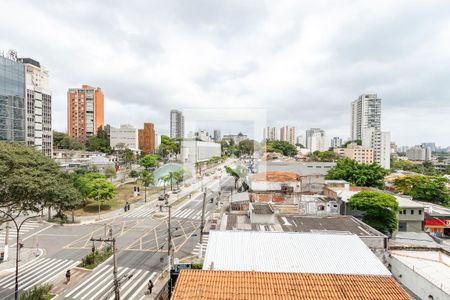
{"x": 366, "y": 126}
{"x": 85, "y": 112}
{"x": 126, "y": 136}
{"x": 38, "y": 107}
{"x": 419, "y": 153}
{"x": 316, "y": 140}
{"x": 292, "y": 136}
{"x": 336, "y": 142}
{"x": 284, "y": 133}
{"x": 270, "y": 133}
{"x": 366, "y": 113}
{"x": 217, "y": 135}
{"x": 146, "y": 137}
{"x": 176, "y": 124}
{"x": 301, "y": 140}
{"x": 12, "y": 99}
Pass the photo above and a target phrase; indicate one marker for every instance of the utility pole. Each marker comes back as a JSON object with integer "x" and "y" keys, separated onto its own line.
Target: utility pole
{"x": 202, "y": 224}
{"x": 169, "y": 239}
{"x": 116, "y": 281}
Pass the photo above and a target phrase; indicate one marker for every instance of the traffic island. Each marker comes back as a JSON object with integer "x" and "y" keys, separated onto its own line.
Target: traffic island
{"x": 95, "y": 258}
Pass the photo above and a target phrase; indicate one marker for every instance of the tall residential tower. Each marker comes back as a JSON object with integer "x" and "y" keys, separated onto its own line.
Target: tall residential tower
{"x": 85, "y": 112}
{"x": 176, "y": 124}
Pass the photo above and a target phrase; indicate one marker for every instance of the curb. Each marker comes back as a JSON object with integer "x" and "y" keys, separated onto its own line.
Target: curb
{"x": 10, "y": 270}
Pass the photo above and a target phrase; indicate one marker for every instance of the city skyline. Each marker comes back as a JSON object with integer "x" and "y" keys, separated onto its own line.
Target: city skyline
{"x": 287, "y": 49}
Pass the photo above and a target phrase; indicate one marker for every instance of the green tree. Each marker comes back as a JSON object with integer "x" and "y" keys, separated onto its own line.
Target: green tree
{"x": 149, "y": 161}
{"x": 427, "y": 188}
{"x": 99, "y": 142}
{"x": 178, "y": 176}
{"x": 110, "y": 172}
{"x": 358, "y": 174}
{"x": 63, "y": 141}
{"x": 282, "y": 147}
{"x": 100, "y": 190}
{"x": 380, "y": 209}
{"x": 147, "y": 178}
{"x": 237, "y": 174}
{"x": 358, "y": 142}
{"x": 248, "y": 147}
{"x": 164, "y": 179}
{"x": 324, "y": 156}
{"x": 169, "y": 146}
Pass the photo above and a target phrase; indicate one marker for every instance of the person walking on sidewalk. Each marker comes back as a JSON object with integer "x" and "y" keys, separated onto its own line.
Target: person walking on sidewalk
{"x": 67, "y": 276}
{"x": 150, "y": 286}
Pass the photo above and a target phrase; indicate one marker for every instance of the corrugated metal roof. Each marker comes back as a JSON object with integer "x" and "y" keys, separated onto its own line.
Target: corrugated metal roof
{"x": 290, "y": 252}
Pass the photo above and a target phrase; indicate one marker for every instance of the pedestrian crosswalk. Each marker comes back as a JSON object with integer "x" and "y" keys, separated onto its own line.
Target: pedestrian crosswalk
{"x": 38, "y": 272}
{"x": 141, "y": 212}
{"x": 200, "y": 249}
{"x": 26, "y": 227}
{"x": 100, "y": 284}
{"x": 190, "y": 213}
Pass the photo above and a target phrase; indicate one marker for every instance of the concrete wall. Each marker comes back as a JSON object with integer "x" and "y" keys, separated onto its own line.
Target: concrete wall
{"x": 413, "y": 281}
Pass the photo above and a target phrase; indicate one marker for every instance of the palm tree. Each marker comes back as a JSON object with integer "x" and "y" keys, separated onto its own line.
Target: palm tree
{"x": 164, "y": 179}
{"x": 171, "y": 177}
{"x": 179, "y": 177}
{"x": 147, "y": 178}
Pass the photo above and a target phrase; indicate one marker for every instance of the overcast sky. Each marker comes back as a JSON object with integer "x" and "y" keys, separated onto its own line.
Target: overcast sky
{"x": 302, "y": 61}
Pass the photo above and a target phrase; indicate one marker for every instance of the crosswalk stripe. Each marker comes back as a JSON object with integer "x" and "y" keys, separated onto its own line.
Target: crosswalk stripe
{"x": 49, "y": 276}
{"x": 142, "y": 280}
{"x": 109, "y": 279}
{"x": 91, "y": 282}
{"x": 26, "y": 269}
{"x": 123, "y": 287}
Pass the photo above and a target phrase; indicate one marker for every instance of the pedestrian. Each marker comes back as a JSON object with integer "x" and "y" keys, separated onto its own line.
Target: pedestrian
{"x": 67, "y": 276}
{"x": 150, "y": 286}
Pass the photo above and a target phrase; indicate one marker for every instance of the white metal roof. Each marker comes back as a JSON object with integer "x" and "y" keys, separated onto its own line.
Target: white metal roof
{"x": 404, "y": 202}
{"x": 290, "y": 252}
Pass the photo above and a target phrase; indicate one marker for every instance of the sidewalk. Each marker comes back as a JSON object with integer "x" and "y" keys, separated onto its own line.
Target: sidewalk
{"x": 26, "y": 255}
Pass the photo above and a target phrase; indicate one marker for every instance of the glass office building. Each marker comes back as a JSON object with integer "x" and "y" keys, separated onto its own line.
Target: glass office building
{"x": 12, "y": 100}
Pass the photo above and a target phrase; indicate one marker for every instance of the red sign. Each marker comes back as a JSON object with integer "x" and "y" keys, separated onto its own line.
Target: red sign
{"x": 437, "y": 222}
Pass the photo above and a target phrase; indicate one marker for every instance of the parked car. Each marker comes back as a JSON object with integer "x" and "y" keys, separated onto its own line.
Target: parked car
{"x": 176, "y": 191}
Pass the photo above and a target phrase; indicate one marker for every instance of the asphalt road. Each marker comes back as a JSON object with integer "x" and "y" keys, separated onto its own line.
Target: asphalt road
{"x": 141, "y": 237}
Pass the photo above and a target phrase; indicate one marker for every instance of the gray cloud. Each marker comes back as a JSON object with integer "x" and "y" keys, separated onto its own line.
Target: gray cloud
{"x": 303, "y": 62}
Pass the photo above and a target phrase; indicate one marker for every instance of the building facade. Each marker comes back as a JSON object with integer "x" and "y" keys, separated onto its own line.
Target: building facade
{"x": 301, "y": 140}
{"x": 38, "y": 107}
{"x": 316, "y": 140}
{"x": 292, "y": 136}
{"x": 217, "y": 136}
{"x": 12, "y": 100}
{"x": 361, "y": 154}
{"x": 366, "y": 113}
{"x": 336, "y": 142}
{"x": 419, "y": 153}
{"x": 197, "y": 151}
{"x": 270, "y": 133}
{"x": 85, "y": 112}
{"x": 146, "y": 138}
{"x": 236, "y": 138}
{"x": 176, "y": 124}
{"x": 126, "y": 136}
{"x": 284, "y": 133}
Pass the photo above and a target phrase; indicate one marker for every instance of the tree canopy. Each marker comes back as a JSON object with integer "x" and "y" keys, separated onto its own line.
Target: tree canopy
{"x": 323, "y": 156}
{"x": 380, "y": 209}
{"x": 425, "y": 168}
{"x": 99, "y": 142}
{"x": 149, "y": 161}
{"x": 426, "y": 188}
{"x": 29, "y": 181}
{"x": 282, "y": 147}
{"x": 64, "y": 141}
{"x": 248, "y": 147}
{"x": 358, "y": 174}
{"x": 357, "y": 142}
{"x": 168, "y": 146}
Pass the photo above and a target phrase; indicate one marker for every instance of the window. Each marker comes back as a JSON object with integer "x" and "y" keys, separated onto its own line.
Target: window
{"x": 412, "y": 211}
{"x": 420, "y": 211}
{"x": 404, "y": 211}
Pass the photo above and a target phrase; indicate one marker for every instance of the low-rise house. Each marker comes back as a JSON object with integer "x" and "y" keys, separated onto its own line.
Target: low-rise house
{"x": 275, "y": 187}
{"x": 221, "y": 285}
{"x": 262, "y": 213}
{"x": 411, "y": 215}
{"x": 317, "y": 205}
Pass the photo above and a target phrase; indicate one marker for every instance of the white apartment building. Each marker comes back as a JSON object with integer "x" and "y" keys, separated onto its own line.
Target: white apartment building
{"x": 419, "y": 153}
{"x": 353, "y": 151}
{"x": 301, "y": 140}
{"x": 366, "y": 113}
{"x": 38, "y": 107}
{"x": 284, "y": 133}
{"x": 176, "y": 124}
{"x": 316, "y": 140}
{"x": 195, "y": 151}
{"x": 203, "y": 135}
{"x": 126, "y": 136}
{"x": 336, "y": 142}
{"x": 270, "y": 133}
{"x": 366, "y": 126}
{"x": 292, "y": 136}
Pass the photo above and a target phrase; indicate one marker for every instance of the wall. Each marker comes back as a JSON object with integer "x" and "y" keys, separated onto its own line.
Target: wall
{"x": 413, "y": 281}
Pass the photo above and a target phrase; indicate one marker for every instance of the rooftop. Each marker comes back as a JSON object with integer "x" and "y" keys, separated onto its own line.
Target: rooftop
{"x": 301, "y": 168}
{"x": 300, "y": 223}
{"x": 290, "y": 252}
{"x": 197, "y": 284}
{"x": 407, "y": 202}
{"x": 276, "y": 177}
{"x": 433, "y": 265}
{"x": 262, "y": 209}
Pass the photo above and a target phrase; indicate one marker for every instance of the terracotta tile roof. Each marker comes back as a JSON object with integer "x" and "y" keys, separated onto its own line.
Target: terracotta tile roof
{"x": 276, "y": 176}
{"x": 199, "y": 284}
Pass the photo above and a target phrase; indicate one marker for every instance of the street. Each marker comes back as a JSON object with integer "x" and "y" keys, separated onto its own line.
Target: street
{"x": 141, "y": 236}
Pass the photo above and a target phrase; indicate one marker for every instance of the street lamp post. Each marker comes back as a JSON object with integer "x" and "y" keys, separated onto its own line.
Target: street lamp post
{"x": 18, "y": 227}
